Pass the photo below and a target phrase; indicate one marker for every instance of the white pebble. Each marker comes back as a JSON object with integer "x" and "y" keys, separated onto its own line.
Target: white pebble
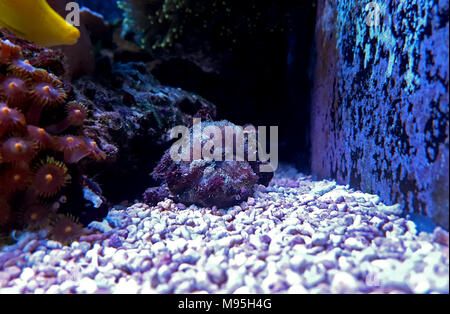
{"x": 125, "y": 286}
{"x": 87, "y": 286}
{"x": 27, "y": 274}
{"x": 53, "y": 289}
{"x": 242, "y": 290}
{"x": 343, "y": 282}
{"x": 298, "y": 289}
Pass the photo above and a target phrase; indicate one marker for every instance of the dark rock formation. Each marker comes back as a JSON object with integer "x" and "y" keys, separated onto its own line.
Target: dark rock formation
{"x": 380, "y": 102}
{"x": 130, "y": 116}
{"x": 156, "y": 194}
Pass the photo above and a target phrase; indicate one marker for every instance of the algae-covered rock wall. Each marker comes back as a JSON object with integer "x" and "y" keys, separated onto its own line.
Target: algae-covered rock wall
{"x": 380, "y": 105}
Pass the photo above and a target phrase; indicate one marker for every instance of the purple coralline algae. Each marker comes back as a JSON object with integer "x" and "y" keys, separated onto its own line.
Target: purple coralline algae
{"x": 154, "y": 195}
{"x": 380, "y": 102}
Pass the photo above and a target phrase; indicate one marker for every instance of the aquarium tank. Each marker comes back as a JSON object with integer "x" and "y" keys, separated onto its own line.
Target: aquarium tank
{"x": 218, "y": 147}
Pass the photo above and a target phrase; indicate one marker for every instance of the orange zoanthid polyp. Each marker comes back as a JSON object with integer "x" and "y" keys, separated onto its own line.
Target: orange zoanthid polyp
{"x": 14, "y": 90}
{"x": 49, "y": 178}
{"x": 15, "y": 178}
{"x": 18, "y": 147}
{"x": 10, "y": 119}
{"x": 37, "y": 137}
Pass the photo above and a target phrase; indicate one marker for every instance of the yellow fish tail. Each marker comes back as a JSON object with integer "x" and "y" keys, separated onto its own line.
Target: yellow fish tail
{"x": 36, "y": 21}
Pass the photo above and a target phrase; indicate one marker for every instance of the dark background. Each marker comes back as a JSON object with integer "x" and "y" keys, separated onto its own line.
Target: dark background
{"x": 265, "y": 83}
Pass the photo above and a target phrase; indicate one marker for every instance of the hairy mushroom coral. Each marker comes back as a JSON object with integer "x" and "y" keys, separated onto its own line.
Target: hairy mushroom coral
{"x": 76, "y": 114}
{"x": 10, "y": 119}
{"x": 17, "y": 149}
{"x": 15, "y": 91}
{"x": 40, "y": 137}
{"x": 66, "y": 229}
{"x": 50, "y": 177}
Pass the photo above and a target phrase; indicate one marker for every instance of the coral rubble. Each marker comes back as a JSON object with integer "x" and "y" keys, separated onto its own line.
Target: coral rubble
{"x": 296, "y": 236}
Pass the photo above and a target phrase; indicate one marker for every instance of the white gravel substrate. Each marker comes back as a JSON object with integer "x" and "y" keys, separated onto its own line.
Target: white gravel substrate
{"x": 297, "y": 236}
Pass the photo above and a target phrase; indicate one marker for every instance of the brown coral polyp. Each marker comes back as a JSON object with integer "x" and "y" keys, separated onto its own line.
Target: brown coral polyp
{"x": 32, "y": 146}
{"x": 36, "y": 216}
{"x": 76, "y": 114}
{"x": 10, "y": 119}
{"x": 47, "y": 94}
{"x": 73, "y": 147}
{"x": 22, "y": 68}
{"x": 66, "y": 229}
{"x": 17, "y": 149}
{"x": 94, "y": 150}
{"x": 15, "y": 91}
{"x": 16, "y": 178}
{"x": 40, "y": 137}
{"x": 50, "y": 177}
{"x": 9, "y": 51}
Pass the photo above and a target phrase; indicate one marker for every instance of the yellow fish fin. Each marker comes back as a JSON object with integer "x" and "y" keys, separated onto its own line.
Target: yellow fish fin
{"x": 36, "y": 21}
